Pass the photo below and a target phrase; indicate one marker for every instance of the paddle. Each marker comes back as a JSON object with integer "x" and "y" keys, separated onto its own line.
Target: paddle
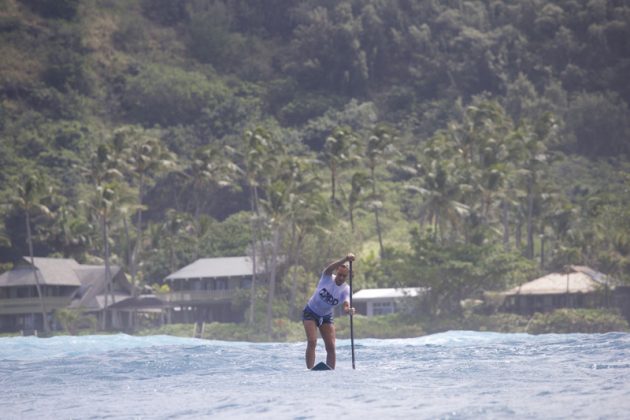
{"x": 351, "y": 326}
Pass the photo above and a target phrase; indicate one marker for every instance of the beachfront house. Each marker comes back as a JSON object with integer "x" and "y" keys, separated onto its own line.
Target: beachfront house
{"x": 64, "y": 283}
{"x": 208, "y": 289}
{"x": 577, "y": 287}
{"x": 372, "y": 302}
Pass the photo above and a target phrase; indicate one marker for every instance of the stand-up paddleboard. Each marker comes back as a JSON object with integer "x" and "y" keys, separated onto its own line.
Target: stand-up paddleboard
{"x": 321, "y": 366}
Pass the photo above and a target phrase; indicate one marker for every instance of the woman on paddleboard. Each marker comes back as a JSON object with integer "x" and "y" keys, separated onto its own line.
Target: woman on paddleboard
{"x": 331, "y": 291}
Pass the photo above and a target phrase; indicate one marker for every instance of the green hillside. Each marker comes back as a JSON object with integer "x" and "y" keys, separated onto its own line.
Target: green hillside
{"x": 461, "y": 145}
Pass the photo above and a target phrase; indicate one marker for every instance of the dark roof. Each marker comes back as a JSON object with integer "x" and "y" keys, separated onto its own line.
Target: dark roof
{"x": 51, "y": 271}
{"x": 97, "y": 302}
{"x": 90, "y": 280}
{"x": 140, "y": 302}
{"x": 91, "y": 294}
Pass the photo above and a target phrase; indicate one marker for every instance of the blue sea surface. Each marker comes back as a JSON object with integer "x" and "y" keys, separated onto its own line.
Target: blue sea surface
{"x": 452, "y": 375}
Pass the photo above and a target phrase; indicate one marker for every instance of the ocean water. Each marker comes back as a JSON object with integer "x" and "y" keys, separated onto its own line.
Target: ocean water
{"x": 452, "y": 375}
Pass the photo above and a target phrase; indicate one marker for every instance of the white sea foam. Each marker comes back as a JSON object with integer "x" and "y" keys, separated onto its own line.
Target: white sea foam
{"x": 458, "y": 374}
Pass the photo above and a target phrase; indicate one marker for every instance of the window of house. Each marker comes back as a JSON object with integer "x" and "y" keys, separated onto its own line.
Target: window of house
{"x": 579, "y": 300}
{"x": 559, "y": 300}
{"x": 382, "y": 308}
{"x": 222, "y": 284}
{"x": 23, "y": 292}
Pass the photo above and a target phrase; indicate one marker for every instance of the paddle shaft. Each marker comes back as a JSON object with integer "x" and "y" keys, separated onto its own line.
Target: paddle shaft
{"x": 351, "y": 326}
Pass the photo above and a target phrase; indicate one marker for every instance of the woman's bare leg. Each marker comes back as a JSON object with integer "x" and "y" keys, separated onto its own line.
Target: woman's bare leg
{"x": 310, "y": 327}
{"x": 328, "y": 334}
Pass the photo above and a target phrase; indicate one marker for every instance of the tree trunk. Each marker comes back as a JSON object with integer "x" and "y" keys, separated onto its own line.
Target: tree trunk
{"x": 530, "y": 219}
{"x": 108, "y": 274}
{"x": 378, "y": 224}
{"x": 297, "y": 246}
{"x": 333, "y": 170}
{"x": 351, "y": 211}
{"x": 104, "y": 235}
{"x": 518, "y": 232}
{"x": 252, "y": 297}
{"x": 506, "y": 225}
{"x": 128, "y": 240}
{"x": 293, "y": 290}
{"x": 436, "y": 223}
{"x": 37, "y": 282}
{"x": 272, "y": 280}
{"x": 109, "y": 290}
{"x": 138, "y": 248}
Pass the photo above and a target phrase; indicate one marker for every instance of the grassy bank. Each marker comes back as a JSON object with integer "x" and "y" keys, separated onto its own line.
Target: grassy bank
{"x": 397, "y": 326}
{"x": 561, "y": 321}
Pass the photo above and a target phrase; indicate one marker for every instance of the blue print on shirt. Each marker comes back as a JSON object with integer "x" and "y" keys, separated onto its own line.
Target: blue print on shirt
{"x": 327, "y": 297}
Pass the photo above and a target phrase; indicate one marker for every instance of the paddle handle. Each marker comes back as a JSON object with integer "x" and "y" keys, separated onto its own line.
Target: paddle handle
{"x": 351, "y": 317}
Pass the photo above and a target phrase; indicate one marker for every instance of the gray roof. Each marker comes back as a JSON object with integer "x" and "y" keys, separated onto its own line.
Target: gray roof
{"x": 97, "y": 303}
{"x": 214, "y": 268}
{"x": 579, "y": 280}
{"x": 140, "y": 302}
{"x": 89, "y": 280}
{"x": 51, "y": 271}
{"x": 93, "y": 282}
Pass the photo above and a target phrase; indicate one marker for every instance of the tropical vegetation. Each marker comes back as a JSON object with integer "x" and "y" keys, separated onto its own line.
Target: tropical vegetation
{"x": 460, "y": 145}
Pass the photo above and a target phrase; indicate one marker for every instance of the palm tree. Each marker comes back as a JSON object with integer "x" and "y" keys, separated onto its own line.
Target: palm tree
{"x": 210, "y": 167}
{"x": 277, "y": 185}
{"x": 146, "y": 158}
{"x": 304, "y": 211}
{"x": 483, "y": 137}
{"x": 256, "y": 146}
{"x": 379, "y": 145}
{"x": 337, "y": 149}
{"x": 440, "y": 184}
{"x": 280, "y": 189}
{"x": 28, "y": 199}
{"x": 4, "y": 238}
{"x": 70, "y": 231}
{"x": 175, "y": 225}
{"x": 533, "y": 151}
{"x": 357, "y": 183}
{"x": 100, "y": 203}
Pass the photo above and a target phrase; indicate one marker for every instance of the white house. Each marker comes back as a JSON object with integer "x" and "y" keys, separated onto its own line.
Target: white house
{"x": 372, "y": 302}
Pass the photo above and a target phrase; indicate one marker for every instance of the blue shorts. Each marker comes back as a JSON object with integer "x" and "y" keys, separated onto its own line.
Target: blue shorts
{"x": 308, "y": 314}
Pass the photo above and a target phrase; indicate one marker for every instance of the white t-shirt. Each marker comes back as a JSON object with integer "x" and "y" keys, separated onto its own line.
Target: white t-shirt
{"x": 328, "y": 295}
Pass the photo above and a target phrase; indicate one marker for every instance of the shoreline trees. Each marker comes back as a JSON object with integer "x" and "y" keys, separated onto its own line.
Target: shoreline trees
{"x": 506, "y": 124}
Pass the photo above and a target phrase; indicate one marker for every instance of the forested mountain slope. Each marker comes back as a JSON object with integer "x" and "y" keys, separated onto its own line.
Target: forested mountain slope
{"x": 474, "y": 141}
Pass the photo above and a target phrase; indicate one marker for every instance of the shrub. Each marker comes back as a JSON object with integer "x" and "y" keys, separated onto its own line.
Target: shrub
{"x": 55, "y": 9}
{"x": 499, "y": 322}
{"x": 169, "y": 96}
{"x": 306, "y": 107}
{"x": 165, "y": 12}
{"x": 385, "y": 326}
{"x": 577, "y": 321}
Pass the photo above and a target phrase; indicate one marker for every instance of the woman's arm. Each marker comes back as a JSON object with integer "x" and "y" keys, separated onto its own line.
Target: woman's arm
{"x": 335, "y": 264}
